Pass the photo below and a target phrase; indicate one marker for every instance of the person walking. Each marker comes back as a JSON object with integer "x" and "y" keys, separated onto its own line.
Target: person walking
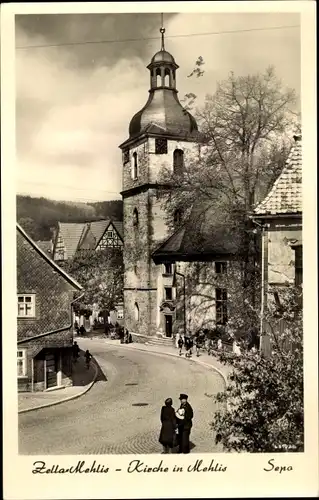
{"x": 184, "y": 416}
{"x": 88, "y": 357}
{"x": 168, "y": 429}
{"x": 186, "y": 343}
{"x": 75, "y": 351}
{"x": 180, "y": 343}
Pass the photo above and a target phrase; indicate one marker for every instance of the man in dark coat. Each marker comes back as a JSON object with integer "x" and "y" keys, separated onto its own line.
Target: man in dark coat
{"x": 184, "y": 421}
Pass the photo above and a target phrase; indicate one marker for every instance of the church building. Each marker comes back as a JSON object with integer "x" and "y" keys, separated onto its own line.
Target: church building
{"x": 162, "y": 135}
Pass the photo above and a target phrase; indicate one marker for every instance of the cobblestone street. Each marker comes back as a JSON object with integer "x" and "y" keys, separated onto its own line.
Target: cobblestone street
{"x": 121, "y": 415}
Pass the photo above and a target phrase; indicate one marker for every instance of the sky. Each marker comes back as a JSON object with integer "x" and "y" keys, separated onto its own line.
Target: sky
{"x": 74, "y": 102}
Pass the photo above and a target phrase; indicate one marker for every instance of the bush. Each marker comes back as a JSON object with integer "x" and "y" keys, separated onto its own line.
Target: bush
{"x": 263, "y": 403}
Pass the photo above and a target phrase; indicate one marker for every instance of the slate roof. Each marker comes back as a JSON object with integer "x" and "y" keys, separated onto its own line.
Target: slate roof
{"x": 76, "y": 234}
{"x": 71, "y": 233}
{"x": 119, "y": 227}
{"x": 285, "y": 197}
{"x": 207, "y": 234}
{"x": 53, "y": 264}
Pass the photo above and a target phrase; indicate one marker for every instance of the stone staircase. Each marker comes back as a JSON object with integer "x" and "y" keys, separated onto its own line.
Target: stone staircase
{"x": 166, "y": 341}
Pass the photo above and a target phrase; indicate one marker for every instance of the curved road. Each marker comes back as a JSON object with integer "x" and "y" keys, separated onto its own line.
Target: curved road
{"x": 120, "y": 415}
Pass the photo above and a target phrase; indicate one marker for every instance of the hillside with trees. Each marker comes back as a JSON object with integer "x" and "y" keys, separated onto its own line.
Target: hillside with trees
{"x": 38, "y": 216}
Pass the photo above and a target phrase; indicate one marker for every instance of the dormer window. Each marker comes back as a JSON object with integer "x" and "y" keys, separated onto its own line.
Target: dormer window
{"x": 134, "y": 166}
{"x": 161, "y": 146}
{"x": 178, "y": 161}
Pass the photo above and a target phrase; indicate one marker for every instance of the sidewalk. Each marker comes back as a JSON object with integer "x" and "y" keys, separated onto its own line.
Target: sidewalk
{"x": 204, "y": 358}
{"x": 83, "y": 379}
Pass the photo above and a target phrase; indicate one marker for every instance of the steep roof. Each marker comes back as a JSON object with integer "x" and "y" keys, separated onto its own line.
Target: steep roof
{"x": 98, "y": 228}
{"x": 119, "y": 227}
{"x": 57, "y": 268}
{"x": 285, "y": 197}
{"x": 71, "y": 233}
{"x": 207, "y": 234}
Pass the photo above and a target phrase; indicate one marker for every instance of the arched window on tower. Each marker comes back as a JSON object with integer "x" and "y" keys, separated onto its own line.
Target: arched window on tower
{"x": 134, "y": 165}
{"x": 178, "y": 161}
{"x": 158, "y": 77}
{"x": 135, "y": 217}
{"x": 136, "y": 312}
{"x": 166, "y": 77}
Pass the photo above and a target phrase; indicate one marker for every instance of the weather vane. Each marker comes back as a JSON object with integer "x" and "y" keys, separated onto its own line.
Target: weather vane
{"x": 162, "y": 31}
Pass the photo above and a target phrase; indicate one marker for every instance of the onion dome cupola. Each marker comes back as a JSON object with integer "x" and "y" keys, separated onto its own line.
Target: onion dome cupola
{"x": 163, "y": 113}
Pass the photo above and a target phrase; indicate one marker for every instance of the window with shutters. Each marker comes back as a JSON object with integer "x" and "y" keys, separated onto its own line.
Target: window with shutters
{"x": 161, "y": 146}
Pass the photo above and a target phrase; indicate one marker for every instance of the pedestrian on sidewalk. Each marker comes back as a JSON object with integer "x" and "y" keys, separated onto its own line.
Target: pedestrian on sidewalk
{"x": 82, "y": 330}
{"x": 187, "y": 347}
{"x": 184, "y": 417}
{"x": 88, "y": 357}
{"x": 180, "y": 343}
{"x": 75, "y": 351}
{"x": 168, "y": 429}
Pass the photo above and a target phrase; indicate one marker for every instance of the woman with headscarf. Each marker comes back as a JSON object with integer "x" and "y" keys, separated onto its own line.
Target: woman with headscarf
{"x": 168, "y": 429}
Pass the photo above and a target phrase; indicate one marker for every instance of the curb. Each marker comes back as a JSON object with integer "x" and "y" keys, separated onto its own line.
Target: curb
{"x": 53, "y": 403}
{"x": 207, "y": 365}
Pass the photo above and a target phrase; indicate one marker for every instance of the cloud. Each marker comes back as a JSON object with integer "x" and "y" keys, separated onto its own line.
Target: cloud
{"x": 74, "y": 104}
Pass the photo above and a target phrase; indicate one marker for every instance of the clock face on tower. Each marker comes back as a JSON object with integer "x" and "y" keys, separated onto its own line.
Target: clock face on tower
{"x": 161, "y": 146}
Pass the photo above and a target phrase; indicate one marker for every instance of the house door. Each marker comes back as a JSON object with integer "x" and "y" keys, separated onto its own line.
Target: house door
{"x": 51, "y": 371}
{"x": 168, "y": 325}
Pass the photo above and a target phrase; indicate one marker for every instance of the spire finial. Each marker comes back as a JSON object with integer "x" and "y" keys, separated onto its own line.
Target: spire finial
{"x": 162, "y": 31}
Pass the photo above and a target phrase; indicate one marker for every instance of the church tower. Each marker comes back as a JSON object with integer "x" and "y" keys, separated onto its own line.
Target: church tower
{"x": 161, "y": 135}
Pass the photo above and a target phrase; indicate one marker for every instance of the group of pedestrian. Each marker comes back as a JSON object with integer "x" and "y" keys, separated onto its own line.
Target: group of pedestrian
{"x": 76, "y": 354}
{"x": 188, "y": 343}
{"x": 176, "y": 425}
{"x": 80, "y": 330}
